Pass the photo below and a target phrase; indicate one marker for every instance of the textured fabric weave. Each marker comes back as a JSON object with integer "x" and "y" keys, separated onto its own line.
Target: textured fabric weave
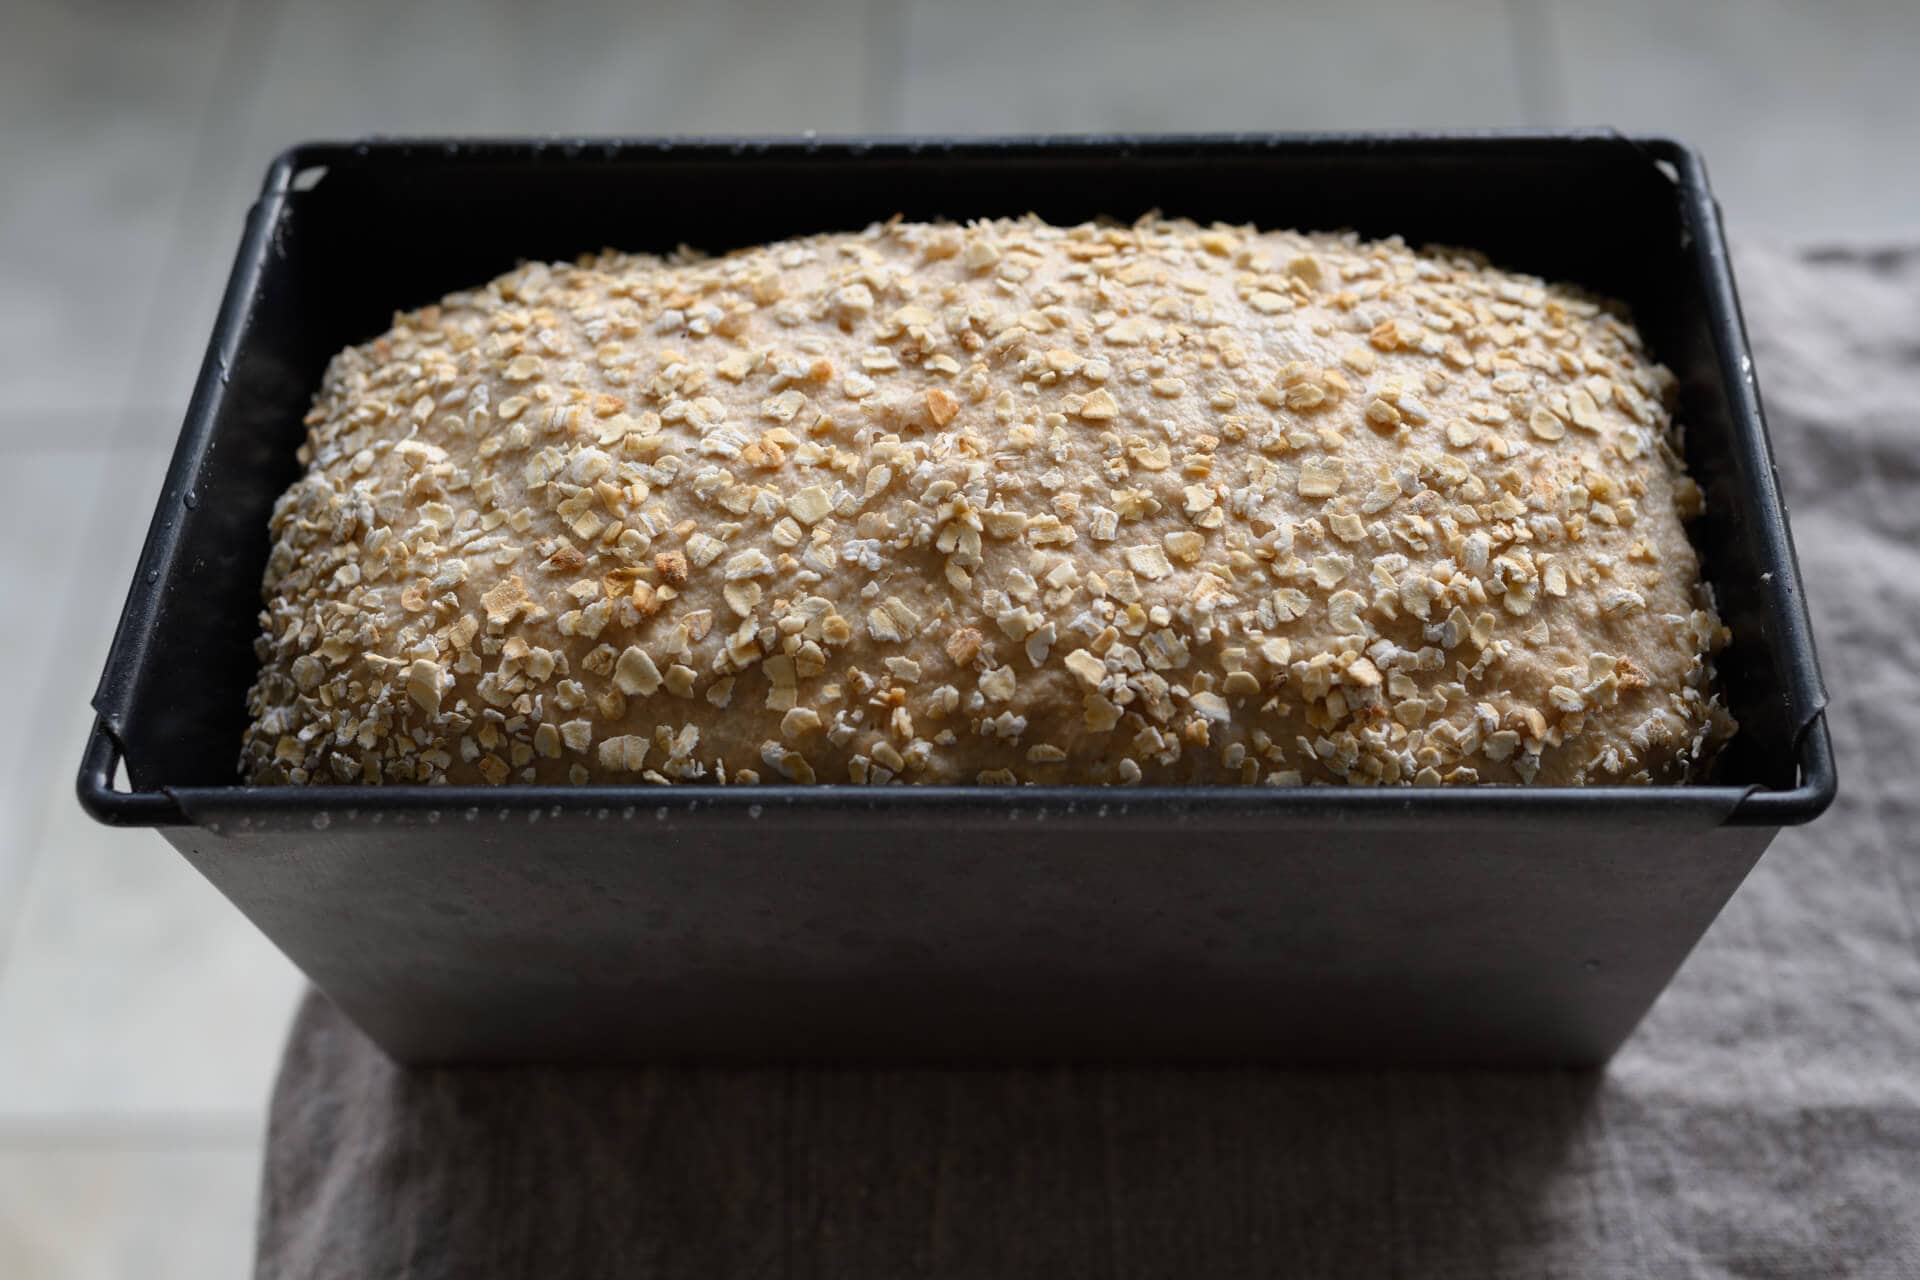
{"x": 1765, "y": 1121}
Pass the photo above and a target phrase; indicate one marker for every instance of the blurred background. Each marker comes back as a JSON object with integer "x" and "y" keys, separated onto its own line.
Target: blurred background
{"x": 140, "y": 1017}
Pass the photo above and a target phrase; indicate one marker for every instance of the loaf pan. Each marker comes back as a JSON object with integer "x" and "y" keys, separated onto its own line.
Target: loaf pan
{"x": 459, "y": 924}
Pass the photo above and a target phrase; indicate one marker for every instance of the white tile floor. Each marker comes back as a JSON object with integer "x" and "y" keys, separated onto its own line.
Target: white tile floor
{"x": 139, "y": 1016}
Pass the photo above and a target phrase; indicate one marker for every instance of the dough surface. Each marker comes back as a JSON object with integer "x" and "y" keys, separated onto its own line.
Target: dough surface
{"x": 1002, "y": 503}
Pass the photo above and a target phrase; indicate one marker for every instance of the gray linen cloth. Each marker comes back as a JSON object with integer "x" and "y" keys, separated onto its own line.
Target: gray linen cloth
{"x": 1764, "y": 1121}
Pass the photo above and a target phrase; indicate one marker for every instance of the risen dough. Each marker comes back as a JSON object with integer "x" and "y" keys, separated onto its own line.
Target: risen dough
{"x": 998, "y": 503}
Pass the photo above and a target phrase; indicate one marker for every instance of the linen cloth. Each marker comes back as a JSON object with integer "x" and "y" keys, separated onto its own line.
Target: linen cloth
{"x": 1764, "y": 1121}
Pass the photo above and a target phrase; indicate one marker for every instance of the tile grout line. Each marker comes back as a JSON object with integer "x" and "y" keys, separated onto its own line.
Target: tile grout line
{"x": 1533, "y": 39}
{"x": 243, "y": 41}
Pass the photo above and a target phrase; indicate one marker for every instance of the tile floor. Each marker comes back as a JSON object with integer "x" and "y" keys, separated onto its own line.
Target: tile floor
{"x": 139, "y": 1016}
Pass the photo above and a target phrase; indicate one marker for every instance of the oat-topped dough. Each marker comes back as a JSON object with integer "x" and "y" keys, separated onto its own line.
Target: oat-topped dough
{"x": 1004, "y": 503}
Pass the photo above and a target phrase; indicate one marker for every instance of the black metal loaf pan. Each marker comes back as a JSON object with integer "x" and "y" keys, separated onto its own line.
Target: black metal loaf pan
{"x": 1498, "y": 926}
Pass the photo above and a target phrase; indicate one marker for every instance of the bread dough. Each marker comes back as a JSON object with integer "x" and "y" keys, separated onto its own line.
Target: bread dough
{"x": 1002, "y": 503}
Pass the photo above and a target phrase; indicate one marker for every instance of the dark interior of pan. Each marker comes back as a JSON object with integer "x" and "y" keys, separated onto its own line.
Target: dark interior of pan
{"x": 362, "y": 231}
